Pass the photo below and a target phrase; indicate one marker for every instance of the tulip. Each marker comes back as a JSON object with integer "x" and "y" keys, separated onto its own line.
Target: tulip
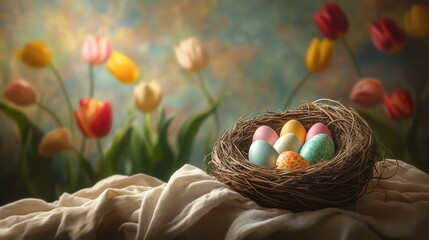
{"x": 399, "y": 104}
{"x": 417, "y": 21}
{"x": 367, "y": 92}
{"x": 35, "y": 54}
{"x": 55, "y": 142}
{"x": 147, "y": 96}
{"x": 20, "y": 92}
{"x": 319, "y": 54}
{"x": 122, "y": 68}
{"x": 332, "y": 21}
{"x": 387, "y": 36}
{"x": 94, "y": 118}
{"x": 191, "y": 54}
{"x": 96, "y": 49}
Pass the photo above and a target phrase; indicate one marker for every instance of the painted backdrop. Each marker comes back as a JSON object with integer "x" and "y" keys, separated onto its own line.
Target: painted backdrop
{"x": 256, "y": 48}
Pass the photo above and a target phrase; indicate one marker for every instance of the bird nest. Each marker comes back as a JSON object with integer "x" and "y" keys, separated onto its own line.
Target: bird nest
{"x": 337, "y": 182}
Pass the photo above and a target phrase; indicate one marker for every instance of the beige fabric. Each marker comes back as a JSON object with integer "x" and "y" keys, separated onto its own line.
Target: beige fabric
{"x": 193, "y": 205}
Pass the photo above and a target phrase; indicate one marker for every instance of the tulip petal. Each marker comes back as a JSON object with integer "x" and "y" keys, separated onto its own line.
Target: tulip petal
{"x": 89, "y": 49}
{"x": 102, "y": 120}
{"x": 325, "y": 56}
{"x": 312, "y": 56}
{"x": 417, "y": 21}
{"x": 381, "y": 42}
{"x": 104, "y": 49}
{"x": 324, "y": 25}
{"x": 336, "y": 17}
{"x": 392, "y": 30}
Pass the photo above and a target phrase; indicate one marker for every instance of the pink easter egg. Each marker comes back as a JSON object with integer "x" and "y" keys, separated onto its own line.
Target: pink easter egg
{"x": 318, "y": 128}
{"x": 265, "y": 133}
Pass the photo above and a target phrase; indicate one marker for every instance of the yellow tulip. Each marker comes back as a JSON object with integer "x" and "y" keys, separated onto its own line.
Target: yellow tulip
{"x": 55, "y": 142}
{"x": 147, "y": 96}
{"x": 417, "y": 21}
{"x": 122, "y": 68}
{"x": 35, "y": 54}
{"x": 319, "y": 54}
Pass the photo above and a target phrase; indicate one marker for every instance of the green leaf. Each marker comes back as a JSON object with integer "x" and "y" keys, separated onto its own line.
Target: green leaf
{"x": 163, "y": 153}
{"x": 385, "y": 134}
{"x": 37, "y": 175}
{"x": 116, "y": 154}
{"x": 187, "y": 133}
{"x": 139, "y": 153}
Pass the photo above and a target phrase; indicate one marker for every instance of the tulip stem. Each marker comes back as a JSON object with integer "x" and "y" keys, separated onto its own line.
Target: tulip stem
{"x": 91, "y": 80}
{"x": 55, "y": 117}
{"x": 353, "y": 57}
{"x": 66, "y": 95}
{"x": 83, "y": 145}
{"x": 295, "y": 90}
{"x": 209, "y": 99}
{"x": 101, "y": 164}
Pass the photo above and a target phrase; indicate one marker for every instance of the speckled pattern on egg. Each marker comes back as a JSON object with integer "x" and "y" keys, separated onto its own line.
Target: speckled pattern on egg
{"x": 317, "y": 148}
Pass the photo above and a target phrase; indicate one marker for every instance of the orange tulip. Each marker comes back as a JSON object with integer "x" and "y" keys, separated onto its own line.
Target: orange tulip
{"x": 20, "y": 92}
{"x": 35, "y": 54}
{"x": 94, "y": 118}
{"x": 55, "y": 142}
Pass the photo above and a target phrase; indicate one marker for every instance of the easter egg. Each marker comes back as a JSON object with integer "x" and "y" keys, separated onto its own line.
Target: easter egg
{"x": 262, "y": 153}
{"x": 289, "y": 160}
{"x": 288, "y": 142}
{"x": 265, "y": 133}
{"x": 317, "y": 148}
{"x": 295, "y": 127}
{"x": 318, "y": 128}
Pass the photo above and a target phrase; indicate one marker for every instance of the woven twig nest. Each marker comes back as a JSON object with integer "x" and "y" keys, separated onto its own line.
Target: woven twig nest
{"x": 334, "y": 183}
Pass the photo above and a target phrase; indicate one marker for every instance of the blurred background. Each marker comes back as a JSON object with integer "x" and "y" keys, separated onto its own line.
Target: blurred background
{"x": 257, "y": 54}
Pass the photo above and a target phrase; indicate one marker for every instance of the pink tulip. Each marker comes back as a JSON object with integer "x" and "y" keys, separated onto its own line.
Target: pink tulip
{"x": 387, "y": 36}
{"x": 399, "y": 104}
{"x": 96, "y": 49}
{"x": 367, "y": 92}
{"x": 20, "y": 92}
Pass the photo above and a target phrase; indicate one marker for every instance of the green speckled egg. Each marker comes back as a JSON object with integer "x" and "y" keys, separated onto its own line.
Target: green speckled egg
{"x": 317, "y": 148}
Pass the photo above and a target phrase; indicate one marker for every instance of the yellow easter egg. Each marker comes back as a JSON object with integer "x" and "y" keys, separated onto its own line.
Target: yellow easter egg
{"x": 295, "y": 127}
{"x": 290, "y": 160}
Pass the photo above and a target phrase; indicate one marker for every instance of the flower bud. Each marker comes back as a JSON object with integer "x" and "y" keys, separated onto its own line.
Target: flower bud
{"x": 20, "y": 92}
{"x": 147, "y": 96}
{"x": 191, "y": 54}
{"x": 35, "y": 54}
{"x": 55, "y": 142}
{"x": 367, "y": 92}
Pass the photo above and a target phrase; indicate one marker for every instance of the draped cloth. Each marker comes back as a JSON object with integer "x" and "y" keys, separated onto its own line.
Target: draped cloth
{"x": 194, "y": 205}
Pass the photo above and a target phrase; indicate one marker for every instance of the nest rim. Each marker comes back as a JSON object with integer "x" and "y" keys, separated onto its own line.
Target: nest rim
{"x": 337, "y": 182}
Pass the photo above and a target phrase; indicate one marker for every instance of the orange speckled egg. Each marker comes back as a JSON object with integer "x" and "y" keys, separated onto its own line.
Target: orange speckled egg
{"x": 290, "y": 160}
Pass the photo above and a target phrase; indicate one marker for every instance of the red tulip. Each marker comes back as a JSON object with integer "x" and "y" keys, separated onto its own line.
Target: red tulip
{"x": 332, "y": 21}
{"x": 387, "y": 36}
{"x": 399, "y": 104}
{"x": 367, "y": 92}
{"x": 94, "y": 118}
